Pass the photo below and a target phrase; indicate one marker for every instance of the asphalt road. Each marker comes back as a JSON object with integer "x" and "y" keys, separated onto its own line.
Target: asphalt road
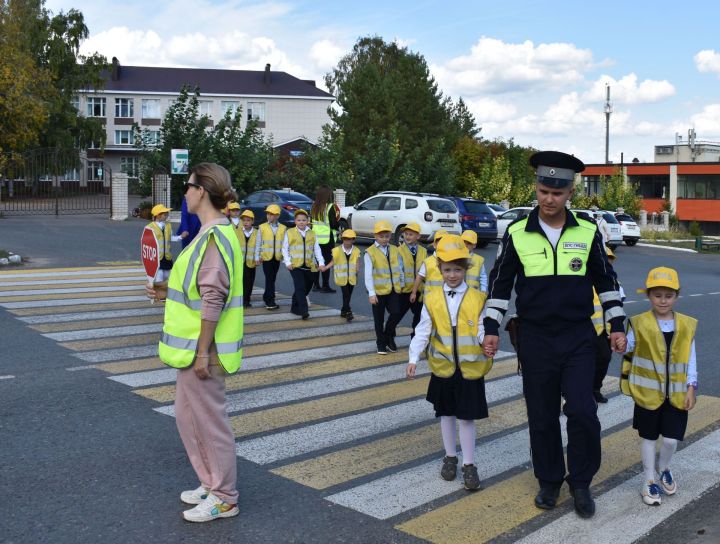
{"x": 82, "y": 460}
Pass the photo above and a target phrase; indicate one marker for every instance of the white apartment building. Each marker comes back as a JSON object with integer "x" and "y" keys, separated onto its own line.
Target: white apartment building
{"x": 287, "y": 109}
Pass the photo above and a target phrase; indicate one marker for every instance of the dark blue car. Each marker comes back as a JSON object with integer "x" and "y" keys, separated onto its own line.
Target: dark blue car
{"x": 289, "y": 201}
{"x": 476, "y": 215}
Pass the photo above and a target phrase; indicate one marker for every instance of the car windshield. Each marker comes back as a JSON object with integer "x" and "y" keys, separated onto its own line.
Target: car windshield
{"x": 476, "y": 207}
{"x": 296, "y": 197}
{"x": 497, "y": 207}
{"x": 610, "y": 218}
{"x": 624, "y": 217}
{"x": 441, "y": 206}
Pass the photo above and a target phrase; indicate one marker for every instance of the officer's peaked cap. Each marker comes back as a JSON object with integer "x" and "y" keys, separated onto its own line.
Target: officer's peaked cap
{"x": 555, "y": 169}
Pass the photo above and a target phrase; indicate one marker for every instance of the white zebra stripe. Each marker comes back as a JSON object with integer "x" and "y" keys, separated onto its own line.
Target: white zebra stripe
{"x": 71, "y": 302}
{"x": 71, "y": 273}
{"x": 142, "y": 279}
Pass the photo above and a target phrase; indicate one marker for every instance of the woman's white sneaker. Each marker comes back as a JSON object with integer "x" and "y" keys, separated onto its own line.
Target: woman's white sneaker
{"x": 211, "y": 508}
{"x": 194, "y": 496}
{"x": 651, "y": 494}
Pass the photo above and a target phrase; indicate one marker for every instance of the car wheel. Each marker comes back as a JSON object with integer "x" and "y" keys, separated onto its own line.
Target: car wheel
{"x": 631, "y": 242}
{"x": 482, "y": 244}
{"x": 398, "y": 236}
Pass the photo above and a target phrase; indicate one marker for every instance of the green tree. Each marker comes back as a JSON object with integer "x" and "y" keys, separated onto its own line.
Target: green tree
{"x": 615, "y": 193}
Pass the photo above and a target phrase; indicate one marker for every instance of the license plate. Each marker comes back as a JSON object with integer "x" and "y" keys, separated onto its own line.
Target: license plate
{"x": 480, "y": 224}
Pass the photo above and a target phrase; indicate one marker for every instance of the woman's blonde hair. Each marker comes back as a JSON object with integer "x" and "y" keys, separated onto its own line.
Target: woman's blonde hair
{"x": 215, "y": 179}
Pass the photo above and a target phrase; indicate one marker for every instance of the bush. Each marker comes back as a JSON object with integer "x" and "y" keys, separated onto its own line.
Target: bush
{"x": 695, "y": 229}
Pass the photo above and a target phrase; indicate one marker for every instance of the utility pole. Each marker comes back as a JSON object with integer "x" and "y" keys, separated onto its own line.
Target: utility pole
{"x": 608, "y": 111}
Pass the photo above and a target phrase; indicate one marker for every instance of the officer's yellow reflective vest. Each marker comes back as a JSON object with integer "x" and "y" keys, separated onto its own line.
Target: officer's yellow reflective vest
{"x": 464, "y": 347}
{"x": 181, "y": 327}
{"x": 163, "y": 238}
{"x": 344, "y": 267}
{"x": 302, "y": 248}
{"x": 411, "y": 265}
{"x": 321, "y": 227}
{"x": 248, "y": 245}
{"x": 433, "y": 276}
{"x": 472, "y": 278}
{"x": 647, "y": 374}
{"x": 386, "y": 270}
{"x": 271, "y": 244}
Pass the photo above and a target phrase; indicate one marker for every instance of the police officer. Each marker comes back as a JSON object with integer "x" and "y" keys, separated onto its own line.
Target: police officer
{"x": 554, "y": 258}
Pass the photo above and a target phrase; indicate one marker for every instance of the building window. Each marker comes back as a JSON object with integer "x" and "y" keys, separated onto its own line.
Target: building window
{"x": 124, "y": 137}
{"x": 124, "y": 107}
{"x": 130, "y": 166}
{"x": 152, "y": 138}
{"x": 231, "y": 106}
{"x": 95, "y": 106}
{"x": 75, "y": 101}
{"x": 150, "y": 108}
{"x": 205, "y": 108}
{"x": 256, "y": 111}
{"x": 664, "y": 149}
{"x": 656, "y": 186}
{"x": 699, "y": 186}
{"x": 95, "y": 171}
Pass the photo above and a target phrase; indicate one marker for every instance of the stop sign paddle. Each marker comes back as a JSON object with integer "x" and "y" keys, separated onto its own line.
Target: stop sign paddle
{"x": 149, "y": 253}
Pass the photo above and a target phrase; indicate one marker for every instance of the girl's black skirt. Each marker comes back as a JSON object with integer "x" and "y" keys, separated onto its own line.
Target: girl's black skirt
{"x": 666, "y": 420}
{"x": 456, "y": 396}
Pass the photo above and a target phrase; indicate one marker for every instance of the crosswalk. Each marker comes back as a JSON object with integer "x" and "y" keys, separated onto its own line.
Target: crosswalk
{"x": 316, "y": 405}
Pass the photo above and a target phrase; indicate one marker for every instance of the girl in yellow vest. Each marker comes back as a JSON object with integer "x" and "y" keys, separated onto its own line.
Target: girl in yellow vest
{"x": 413, "y": 256}
{"x": 163, "y": 234}
{"x": 659, "y": 371}
{"x": 451, "y": 322}
{"x": 428, "y": 275}
{"x": 272, "y": 234}
{"x": 250, "y": 244}
{"x": 384, "y": 278}
{"x": 476, "y": 276}
{"x": 345, "y": 259}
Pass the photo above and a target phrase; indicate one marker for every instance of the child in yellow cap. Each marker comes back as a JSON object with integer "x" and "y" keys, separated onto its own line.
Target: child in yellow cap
{"x": 476, "y": 276}
{"x": 163, "y": 234}
{"x": 428, "y": 276}
{"x": 384, "y": 278}
{"x": 345, "y": 260}
{"x": 659, "y": 371}
{"x": 413, "y": 256}
{"x": 250, "y": 244}
{"x": 272, "y": 234}
{"x": 452, "y": 324}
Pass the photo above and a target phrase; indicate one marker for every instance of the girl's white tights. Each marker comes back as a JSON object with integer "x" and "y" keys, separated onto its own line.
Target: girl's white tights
{"x": 467, "y": 437}
{"x": 667, "y": 449}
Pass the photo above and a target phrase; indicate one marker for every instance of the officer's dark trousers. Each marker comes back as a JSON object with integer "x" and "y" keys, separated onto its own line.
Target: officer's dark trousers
{"x": 322, "y": 279}
{"x": 602, "y": 359}
{"x": 248, "y": 282}
{"x": 554, "y": 361}
{"x": 384, "y": 330}
{"x": 404, "y": 305}
{"x": 270, "y": 269}
{"x": 302, "y": 281}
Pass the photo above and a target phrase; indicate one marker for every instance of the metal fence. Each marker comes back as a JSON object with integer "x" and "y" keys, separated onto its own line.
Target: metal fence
{"x": 55, "y": 182}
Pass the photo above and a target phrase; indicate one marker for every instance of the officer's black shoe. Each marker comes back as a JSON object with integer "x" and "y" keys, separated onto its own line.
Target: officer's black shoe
{"x": 584, "y": 503}
{"x": 391, "y": 346}
{"x": 343, "y": 313}
{"x": 317, "y": 288}
{"x": 546, "y": 498}
{"x": 328, "y": 289}
{"x": 349, "y": 316}
{"x": 306, "y": 316}
{"x": 599, "y": 397}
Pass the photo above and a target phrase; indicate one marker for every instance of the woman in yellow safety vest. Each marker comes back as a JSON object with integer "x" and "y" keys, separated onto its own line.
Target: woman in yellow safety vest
{"x": 324, "y": 216}
{"x": 202, "y": 338}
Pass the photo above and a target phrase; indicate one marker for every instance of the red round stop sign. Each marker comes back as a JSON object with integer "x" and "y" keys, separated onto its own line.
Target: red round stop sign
{"x": 149, "y": 252}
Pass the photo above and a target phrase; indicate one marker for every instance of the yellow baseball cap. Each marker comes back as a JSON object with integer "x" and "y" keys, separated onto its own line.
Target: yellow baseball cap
{"x": 451, "y": 248}
{"x": 233, "y": 206}
{"x": 470, "y": 236}
{"x": 610, "y": 253}
{"x": 348, "y": 233}
{"x": 300, "y": 211}
{"x": 383, "y": 226}
{"x": 273, "y": 208}
{"x": 662, "y": 276}
{"x": 439, "y": 234}
{"x": 158, "y": 209}
{"x": 248, "y": 213}
{"x": 413, "y": 227}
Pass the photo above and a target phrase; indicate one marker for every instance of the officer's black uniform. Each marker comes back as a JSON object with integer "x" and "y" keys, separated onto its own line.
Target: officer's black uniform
{"x": 557, "y": 338}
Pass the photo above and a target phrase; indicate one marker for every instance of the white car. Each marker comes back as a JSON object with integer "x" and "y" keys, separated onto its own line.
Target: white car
{"x": 430, "y": 211}
{"x": 630, "y": 229}
{"x": 615, "y": 237}
{"x": 497, "y": 209}
{"x": 509, "y": 216}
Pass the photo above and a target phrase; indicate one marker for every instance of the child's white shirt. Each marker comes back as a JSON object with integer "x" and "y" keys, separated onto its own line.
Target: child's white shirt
{"x": 424, "y": 327}
{"x": 668, "y": 325}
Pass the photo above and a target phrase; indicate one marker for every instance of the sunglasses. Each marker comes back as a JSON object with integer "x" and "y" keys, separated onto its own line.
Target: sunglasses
{"x": 187, "y": 186}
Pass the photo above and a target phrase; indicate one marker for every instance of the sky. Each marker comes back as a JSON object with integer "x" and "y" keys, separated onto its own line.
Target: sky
{"x": 531, "y": 71}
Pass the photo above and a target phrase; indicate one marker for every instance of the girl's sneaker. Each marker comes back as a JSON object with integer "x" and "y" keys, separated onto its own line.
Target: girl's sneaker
{"x": 211, "y": 508}
{"x": 667, "y": 482}
{"x": 651, "y": 494}
{"x": 470, "y": 477}
{"x": 194, "y": 496}
{"x": 449, "y": 468}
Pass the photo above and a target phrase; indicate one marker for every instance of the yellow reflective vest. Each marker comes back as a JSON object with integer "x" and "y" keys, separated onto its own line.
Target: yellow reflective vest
{"x": 386, "y": 270}
{"x": 163, "y": 238}
{"x": 321, "y": 227}
{"x": 598, "y": 316}
{"x": 302, "y": 248}
{"x": 461, "y": 346}
{"x": 433, "y": 276}
{"x": 648, "y": 374}
{"x": 271, "y": 244}
{"x": 181, "y": 327}
{"x": 248, "y": 244}
{"x": 344, "y": 267}
{"x": 472, "y": 278}
{"x": 411, "y": 265}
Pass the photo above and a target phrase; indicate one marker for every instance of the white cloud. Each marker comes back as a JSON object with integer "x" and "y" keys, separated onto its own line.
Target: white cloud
{"x": 489, "y": 110}
{"x": 648, "y": 128}
{"x": 708, "y": 60}
{"x": 706, "y": 123}
{"x": 325, "y": 54}
{"x": 627, "y": 90}
{"x": 494, "y": 66}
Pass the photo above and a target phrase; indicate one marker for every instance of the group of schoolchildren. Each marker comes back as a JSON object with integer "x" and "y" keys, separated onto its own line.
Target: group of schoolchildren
{"x": 446, "y": 293}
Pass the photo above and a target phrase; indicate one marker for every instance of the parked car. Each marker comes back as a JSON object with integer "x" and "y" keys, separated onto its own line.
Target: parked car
{"x": 497, "y": 209}
{"x": 432, "y": 212}
{"x": 476, "y": 215}
{"x": 630, "y": 229}
{"x": 615, "y": 231}
{"x": 509, "y": 216}
{"x": 289, "y": 201}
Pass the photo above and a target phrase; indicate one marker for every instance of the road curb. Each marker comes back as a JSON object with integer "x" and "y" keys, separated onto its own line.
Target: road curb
{"x": 686, "y": 250}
